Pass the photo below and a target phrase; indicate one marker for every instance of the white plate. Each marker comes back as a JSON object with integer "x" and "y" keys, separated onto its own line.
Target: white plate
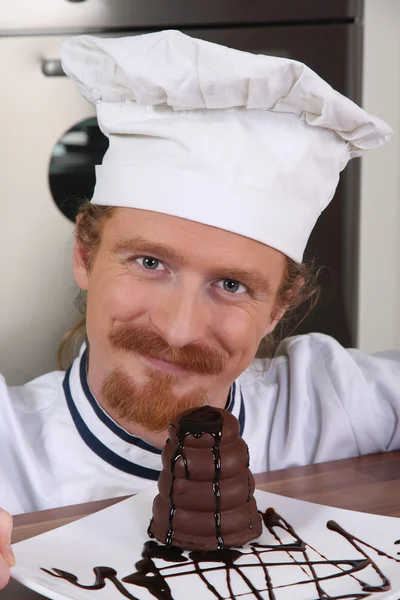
{"x": 115, "y": 538}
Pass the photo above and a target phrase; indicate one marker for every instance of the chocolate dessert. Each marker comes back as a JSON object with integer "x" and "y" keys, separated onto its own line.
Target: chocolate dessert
{"x": 205, "y": 499}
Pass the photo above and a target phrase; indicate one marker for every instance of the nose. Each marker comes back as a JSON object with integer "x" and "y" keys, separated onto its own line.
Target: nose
{"x": 180, "y": 315}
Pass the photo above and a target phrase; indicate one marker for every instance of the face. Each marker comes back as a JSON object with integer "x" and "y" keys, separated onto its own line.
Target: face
{"x": 175, "y": 312}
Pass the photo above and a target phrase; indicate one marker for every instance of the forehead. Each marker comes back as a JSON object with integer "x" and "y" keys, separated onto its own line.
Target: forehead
{"x": 188, "y": 240}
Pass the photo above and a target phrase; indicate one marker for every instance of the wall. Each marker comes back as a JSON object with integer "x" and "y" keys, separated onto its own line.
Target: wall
{"x": 379, "y": 262}
{"x": 37, "y": 287}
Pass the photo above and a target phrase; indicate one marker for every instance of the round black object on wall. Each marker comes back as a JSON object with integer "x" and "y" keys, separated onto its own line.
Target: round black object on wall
{"x": 71, "y": 169}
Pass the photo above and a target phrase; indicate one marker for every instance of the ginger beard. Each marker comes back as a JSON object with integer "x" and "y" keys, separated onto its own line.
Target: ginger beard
{"x": 154, "y": 404}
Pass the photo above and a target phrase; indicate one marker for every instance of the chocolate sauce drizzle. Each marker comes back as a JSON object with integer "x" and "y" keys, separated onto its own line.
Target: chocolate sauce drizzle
{"x": 156, "y": 578}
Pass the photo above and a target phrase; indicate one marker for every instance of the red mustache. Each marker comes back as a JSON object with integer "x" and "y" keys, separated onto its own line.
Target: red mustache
{"x": 143, "y": 340}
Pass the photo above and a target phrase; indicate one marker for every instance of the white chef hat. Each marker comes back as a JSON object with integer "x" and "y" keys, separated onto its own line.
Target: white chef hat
{"x": 252, "y": 144}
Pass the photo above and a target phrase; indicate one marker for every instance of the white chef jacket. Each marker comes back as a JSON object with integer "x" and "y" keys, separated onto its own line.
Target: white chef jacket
{"x": 313, "y": 402}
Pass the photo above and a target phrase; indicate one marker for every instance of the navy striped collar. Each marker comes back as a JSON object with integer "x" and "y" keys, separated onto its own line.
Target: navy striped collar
{"x": 236, "y": 405}
{"x": 102, "y": 451}
{"x": 115, "y": 446}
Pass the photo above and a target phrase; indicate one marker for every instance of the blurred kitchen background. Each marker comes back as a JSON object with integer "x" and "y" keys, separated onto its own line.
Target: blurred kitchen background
{"x": 50, "y": 143}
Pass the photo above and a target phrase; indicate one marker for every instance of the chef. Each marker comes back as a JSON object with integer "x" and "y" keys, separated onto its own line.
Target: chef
{"x": 190, "y": 254}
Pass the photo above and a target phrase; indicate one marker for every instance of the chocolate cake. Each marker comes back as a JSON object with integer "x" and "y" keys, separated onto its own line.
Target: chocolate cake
{"x": 205, "y": 499}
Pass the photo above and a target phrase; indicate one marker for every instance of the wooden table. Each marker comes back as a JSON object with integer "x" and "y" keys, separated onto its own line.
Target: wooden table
{"x": 368, "y": 484}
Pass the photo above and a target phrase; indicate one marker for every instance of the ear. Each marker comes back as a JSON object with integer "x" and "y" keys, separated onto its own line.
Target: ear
{"x": 79, "y": 266}
{"x": 279, "y": 312}
{"x": 276, "y": 316}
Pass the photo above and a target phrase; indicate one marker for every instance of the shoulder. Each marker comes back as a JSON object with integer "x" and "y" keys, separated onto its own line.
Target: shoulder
{"x": 309, "y": 367}
{"x": 36, "y": 395}
{"x": 309, "y": 347}
{"x": 316, "y": 366}
{"x": 307, "y": 353}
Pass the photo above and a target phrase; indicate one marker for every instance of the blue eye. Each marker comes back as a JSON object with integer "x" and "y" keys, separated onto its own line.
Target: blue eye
{"x": 232, "y": 286}
{"x": 150, "y": 263}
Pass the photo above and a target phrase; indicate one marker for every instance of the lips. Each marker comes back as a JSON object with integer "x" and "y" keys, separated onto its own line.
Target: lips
{"x": 165, "y": 365}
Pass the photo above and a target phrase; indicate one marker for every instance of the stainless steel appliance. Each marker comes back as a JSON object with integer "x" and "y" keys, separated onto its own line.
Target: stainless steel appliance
{"x": 50, "y": 142}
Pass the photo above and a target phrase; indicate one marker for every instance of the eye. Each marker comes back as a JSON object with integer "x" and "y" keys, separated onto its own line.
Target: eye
{"x": 150, "y": 263}
{"x": 232, "y": 286}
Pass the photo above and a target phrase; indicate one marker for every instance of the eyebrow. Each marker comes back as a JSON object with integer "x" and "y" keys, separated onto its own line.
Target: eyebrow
{"x": 139, "y": 244}
{"x": 253, "y": 279}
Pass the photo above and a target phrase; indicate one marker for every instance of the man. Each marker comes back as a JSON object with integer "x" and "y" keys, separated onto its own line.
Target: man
{"x": 219, "y": 164}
